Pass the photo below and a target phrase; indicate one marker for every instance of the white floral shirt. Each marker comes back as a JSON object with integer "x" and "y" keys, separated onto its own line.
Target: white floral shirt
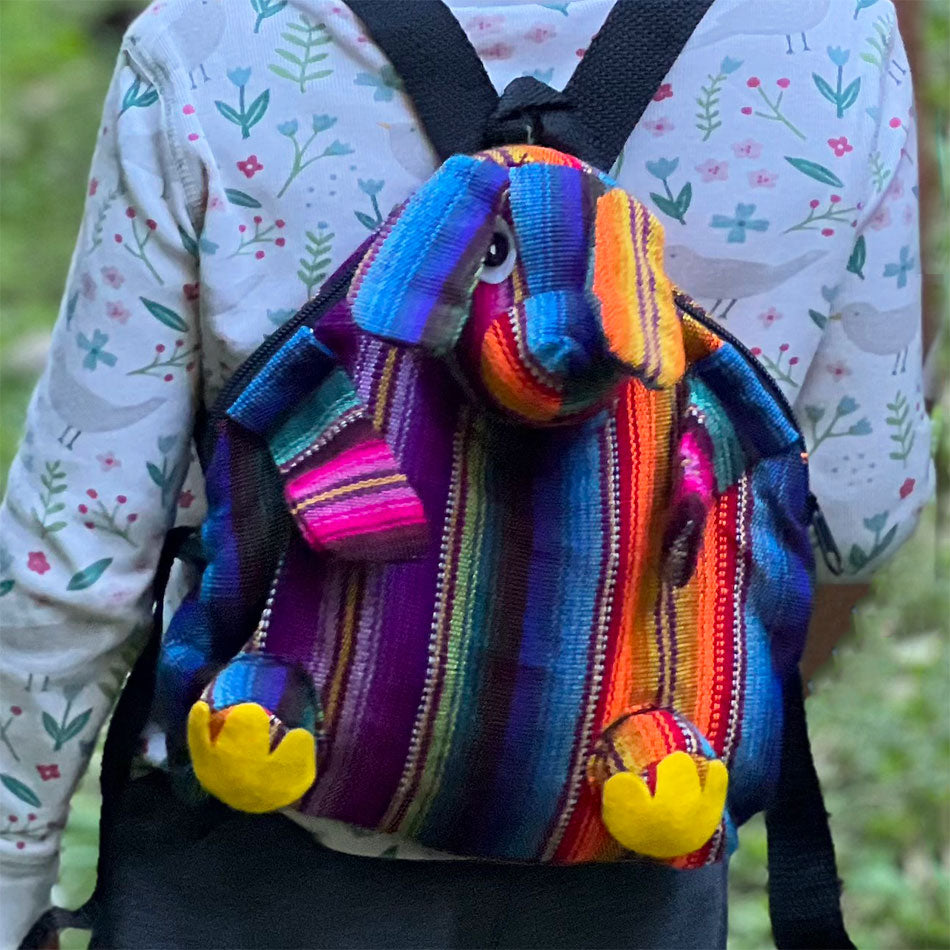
{"x": 247, "y": 146}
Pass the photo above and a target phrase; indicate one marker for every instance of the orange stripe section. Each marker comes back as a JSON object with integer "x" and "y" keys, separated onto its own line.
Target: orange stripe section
{"x": 648, "y": 337}
{"x": 511, "y": 384}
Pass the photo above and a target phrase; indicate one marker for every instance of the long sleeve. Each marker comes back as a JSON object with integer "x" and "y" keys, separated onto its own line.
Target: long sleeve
{"x": 862, "y": 404}
{"x": 95, "y": 483}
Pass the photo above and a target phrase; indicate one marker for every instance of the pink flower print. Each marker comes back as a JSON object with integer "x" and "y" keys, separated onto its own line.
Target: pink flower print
{"x": 16, "y": 711}
{"x": 783, "y": 83}
{"x": 215, "y": 203}
{"x": 250, "y": 166}
{"x": 93, "y": 186}
{"x": 88, "y": 287}
{"x": 191, "y": 291}
{"x": 484, "y": 25}
{"x": 907, "y": 487}
{"x": 712, "y": 170}
{"x": 664, "y": 92}
{"x": 880, "y": 219}
{"x": 185, "y": 499}
{"x": 747, "y": 149}
{"x": 109, "y": 463}
{"x": 48, "y": 772}
{"x": 497, "y": 50}
{"x": 768, "y": 317}
{"x": 895, "y": 189}
{"x": 660, "y": 126}
{"x": 763, "y": 178}
{"x": 37, "y": 563}
{"x": 841, "y": 146}
{"x": 753, "y": 82}
{"x": 908, "y": 216}
{"x": 117, "y": 311}
{"x": 112, "y": 277}
{"x": 540, "y": 34}
{"x": 838, "y": 370}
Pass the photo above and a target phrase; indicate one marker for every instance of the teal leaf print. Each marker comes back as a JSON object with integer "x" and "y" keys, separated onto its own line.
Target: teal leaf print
{"x": 386, "y": 82}
{"x": 16, "y": 788}
{"x": 903, "y": 425}
{"x": 847, "y": 406}
{"x": 820, "y": 320}
{"x": 879, "y": 171}
{"x": 314, "y": 267}
{"x": 371, "y": 188}
{"x": 859, "y": 256}
{"x": 168, "y": 476}
{"x": 188, "y": 242}
{"x": 265, "y": 9}
{"x": 62, "y": 732}
{"x": 320, "y": 123}
{"x": 739, "y": 224}
{"x": 858, "y": 557}
{"x": 816, "y": 171}
{"x": 6, "y": 586}
{"x": 71, "y": 307}
{"x": 245, "y": 117}
{"x": 708, "y": 101}
{"x": 880, "y": 43}
{"x": 137, "y": 98}
{"x": 306, "y": 38}
{"x": 165, "y": 315}
{"x": 241, "y": 199}
{"x": 840, "y": 96}
{"x": 88, "y": 575}
{"x": 53, "y": 481}
{"x": 862, "y": 5}
{"x": 901, "y": 268}
{"x": 96, "y": 352}
{"x": 369, "y": 223}
{"x": 677, "y": 205}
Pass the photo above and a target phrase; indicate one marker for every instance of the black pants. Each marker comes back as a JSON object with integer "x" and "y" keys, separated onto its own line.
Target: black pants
{"x": 210, "y": 877}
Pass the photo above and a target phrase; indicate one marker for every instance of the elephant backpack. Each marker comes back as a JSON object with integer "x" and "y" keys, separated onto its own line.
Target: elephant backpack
{"x": 508, "y": 543}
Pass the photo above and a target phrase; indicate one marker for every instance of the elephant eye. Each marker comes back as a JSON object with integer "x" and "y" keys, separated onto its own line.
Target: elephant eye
{"x": 499, "y": 261}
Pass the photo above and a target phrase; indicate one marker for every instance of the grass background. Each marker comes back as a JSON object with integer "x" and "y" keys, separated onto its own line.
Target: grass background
{"x": 880, "y": 711}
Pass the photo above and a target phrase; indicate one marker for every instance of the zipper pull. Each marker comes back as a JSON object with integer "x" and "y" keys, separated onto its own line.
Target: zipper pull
{"x": 826, "y": 540}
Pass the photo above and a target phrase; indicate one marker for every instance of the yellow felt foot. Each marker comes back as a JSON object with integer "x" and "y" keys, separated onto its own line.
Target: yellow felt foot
{"x": 233, "y": 759}
{"x": 679, "y": 819}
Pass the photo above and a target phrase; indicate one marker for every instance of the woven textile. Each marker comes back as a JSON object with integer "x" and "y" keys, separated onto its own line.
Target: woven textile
{"x": 550, "y": 563}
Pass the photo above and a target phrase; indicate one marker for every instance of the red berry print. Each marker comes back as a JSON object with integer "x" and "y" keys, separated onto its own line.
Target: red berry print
{"x": 753, "y": 82}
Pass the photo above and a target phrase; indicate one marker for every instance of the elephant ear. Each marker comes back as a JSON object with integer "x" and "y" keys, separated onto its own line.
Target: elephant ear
{"x": 415, "y": 284}
{"x": 639, "y": 314}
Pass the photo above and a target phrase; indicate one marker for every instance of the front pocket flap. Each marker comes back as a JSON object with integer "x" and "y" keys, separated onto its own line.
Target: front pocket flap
{"x": 342, "y": 483}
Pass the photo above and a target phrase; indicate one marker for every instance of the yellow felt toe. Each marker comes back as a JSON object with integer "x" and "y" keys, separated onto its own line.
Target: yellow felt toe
{"x": 237, "y": 765}
{"x": 680, "y": 817}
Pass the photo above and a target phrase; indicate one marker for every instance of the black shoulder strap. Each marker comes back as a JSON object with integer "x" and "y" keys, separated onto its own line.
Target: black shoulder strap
{"x": 592, "y": 118}
{"x": 440, "y": 71}
{"x": 804, "y": 890}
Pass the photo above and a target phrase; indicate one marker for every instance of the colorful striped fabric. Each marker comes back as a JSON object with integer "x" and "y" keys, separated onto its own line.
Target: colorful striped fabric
{"x": 531, "y": 641}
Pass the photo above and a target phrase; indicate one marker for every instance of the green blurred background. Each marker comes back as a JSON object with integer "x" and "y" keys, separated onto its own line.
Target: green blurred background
{"x": 879, "y": 712}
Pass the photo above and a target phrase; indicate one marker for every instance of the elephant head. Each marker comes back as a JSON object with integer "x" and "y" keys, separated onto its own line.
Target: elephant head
{"x": 537, "y": 278}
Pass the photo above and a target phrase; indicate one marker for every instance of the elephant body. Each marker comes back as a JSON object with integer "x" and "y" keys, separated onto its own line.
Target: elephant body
{"x": 542, "y": 560}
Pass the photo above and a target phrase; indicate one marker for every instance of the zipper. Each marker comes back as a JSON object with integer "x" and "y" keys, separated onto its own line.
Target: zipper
{"x": 830, "y": 552}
